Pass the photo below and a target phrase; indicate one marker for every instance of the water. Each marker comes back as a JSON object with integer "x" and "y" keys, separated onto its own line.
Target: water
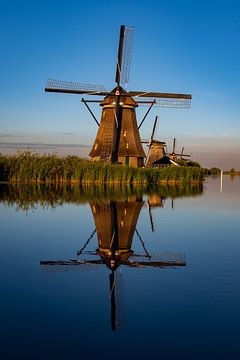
{"x": 111, "y": 305}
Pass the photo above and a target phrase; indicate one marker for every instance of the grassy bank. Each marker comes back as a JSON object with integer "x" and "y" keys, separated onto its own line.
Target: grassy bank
{"x": 32, "y": 167}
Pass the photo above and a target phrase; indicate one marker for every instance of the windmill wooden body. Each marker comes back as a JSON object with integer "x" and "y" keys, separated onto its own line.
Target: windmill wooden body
{"x": 130, "y": 150}
{"x": 118, "y": 138}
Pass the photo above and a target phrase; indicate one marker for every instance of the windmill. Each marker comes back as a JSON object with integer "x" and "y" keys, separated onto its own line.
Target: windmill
{"x": 118, "y": 138}
{"x": 115, "y": 225}
{"x": 182, "y": 155}
{"x": 156, "y": 148}
{"x": 173, "y": 155}
{"x": 154, "y": 201}
{"x": 177, "y": 156}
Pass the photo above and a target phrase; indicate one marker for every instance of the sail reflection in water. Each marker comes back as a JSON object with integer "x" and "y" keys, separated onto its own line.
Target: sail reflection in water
{"x": 115, "y": 225}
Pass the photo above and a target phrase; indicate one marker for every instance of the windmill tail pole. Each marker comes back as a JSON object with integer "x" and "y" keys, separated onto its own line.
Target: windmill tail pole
{"x": 94, "y": 117}
{"x": 150, "y": 107}
{"x": 87, "y": 242}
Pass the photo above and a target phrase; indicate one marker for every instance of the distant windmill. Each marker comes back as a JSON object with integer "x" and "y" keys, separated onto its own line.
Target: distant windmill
{"x": 116, "y": 223}
{"x": 177, "y": 156}
{"x": 173, "y": 155}
{"x": 118, "y": 138}
{"x": 156, "y": 148}
{"x": 182, "y": 155}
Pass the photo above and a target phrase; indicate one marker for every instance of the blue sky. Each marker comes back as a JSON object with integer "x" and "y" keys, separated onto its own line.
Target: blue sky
{"x": 179, "y": 46}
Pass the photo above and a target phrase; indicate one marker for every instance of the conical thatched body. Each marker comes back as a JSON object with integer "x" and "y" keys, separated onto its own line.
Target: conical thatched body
{"x": 156, "y": 152}
{"x": 129, "y": 148}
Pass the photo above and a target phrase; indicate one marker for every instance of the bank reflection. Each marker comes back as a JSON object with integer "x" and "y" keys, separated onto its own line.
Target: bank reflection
{"x": 115, "y": 227}
{"x": 27, "y": 197}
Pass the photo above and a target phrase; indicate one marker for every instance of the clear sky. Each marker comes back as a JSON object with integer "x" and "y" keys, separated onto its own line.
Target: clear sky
{"x": 179, "y": 46}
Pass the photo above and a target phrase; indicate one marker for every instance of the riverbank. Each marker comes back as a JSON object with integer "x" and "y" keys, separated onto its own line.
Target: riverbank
{"x": 34, "y": 168}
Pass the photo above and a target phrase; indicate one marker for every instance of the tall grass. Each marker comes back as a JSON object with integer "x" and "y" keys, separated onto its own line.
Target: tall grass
{"x": 32, "y": 167}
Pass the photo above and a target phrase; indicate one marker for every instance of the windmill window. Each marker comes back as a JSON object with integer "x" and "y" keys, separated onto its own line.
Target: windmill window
{"x": 96, "y": 146}
{"x": 124, "y": 133}
{"x": 127, "y": 146}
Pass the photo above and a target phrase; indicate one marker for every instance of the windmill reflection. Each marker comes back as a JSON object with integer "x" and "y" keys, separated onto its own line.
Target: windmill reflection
{"x": 154, "y": 200}
{"x": 116, "y": 223}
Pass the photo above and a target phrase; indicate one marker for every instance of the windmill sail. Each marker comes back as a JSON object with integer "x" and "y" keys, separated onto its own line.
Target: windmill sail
{"x": 182, "y": 155}
{"x": 154, "y": 128}
{"x": 117, "y": 300}
{"x": 74, "y": 87}
{"x": 165, "y": 100}
{"x": 124, "y": 55}
{"x": 162, "y": 259}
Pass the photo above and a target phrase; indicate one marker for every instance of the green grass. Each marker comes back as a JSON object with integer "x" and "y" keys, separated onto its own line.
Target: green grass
{"x": 31, "y": 167}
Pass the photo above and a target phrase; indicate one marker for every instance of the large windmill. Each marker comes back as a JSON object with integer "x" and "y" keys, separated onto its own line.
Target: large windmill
{"x": 118, "y": 139}
{"x": 115, "y": 225}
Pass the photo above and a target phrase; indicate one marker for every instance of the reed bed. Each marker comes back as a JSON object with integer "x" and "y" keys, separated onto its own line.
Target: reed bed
{"x": 27, "y": 167}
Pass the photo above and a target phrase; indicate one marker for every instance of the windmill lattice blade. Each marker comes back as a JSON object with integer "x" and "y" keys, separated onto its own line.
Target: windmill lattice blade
{"x": 167, "y": 102}
{"x": 126, "y": 55}
{"x": 164, "y": 258}
{"x": 65, "y": 268}
{"x": 119, "y": 294}
{"x": 74, "y": 87}
{"x": 150, "y": 94}
{"x": 69, "y": 265}
{"x": 168, "y": 256}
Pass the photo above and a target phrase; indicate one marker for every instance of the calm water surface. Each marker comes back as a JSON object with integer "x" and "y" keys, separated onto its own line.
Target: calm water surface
{"x": 137, "y": 275}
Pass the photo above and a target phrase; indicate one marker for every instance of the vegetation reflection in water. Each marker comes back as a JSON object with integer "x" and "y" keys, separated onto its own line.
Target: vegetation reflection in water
{"x": 115, "y": 211}
{"x": 27, "y": 196}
